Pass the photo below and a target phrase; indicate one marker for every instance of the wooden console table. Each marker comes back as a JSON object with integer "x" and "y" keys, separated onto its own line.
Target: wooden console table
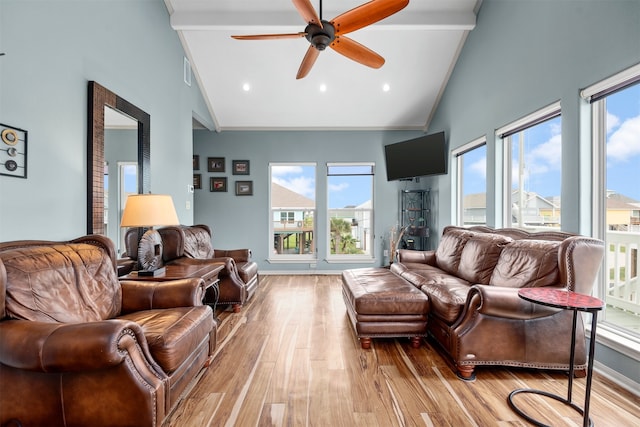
{"x": 204, "y": 270}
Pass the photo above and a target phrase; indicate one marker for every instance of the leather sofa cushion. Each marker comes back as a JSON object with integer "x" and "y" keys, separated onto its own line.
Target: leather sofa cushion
{"x": 173, "y": 334}
{"x": 480, "y": 255}
{"x": 450, "y": 248}
{"x": 65, "y": 283}
{"x": 527, "y": 263}
{"x": 447, "y": 293}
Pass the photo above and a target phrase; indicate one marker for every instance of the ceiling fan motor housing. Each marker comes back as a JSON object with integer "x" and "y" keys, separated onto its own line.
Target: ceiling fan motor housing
{"x": 320, "y": 37}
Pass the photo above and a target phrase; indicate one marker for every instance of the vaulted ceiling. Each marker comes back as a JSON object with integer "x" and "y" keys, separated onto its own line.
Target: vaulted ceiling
{"x": 251, "y": 84}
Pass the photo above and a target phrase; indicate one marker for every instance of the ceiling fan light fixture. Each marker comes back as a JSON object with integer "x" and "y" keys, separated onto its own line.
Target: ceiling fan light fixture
{"x": 320, "y": 37}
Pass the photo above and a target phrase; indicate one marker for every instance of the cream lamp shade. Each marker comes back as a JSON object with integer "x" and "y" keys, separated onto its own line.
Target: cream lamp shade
{"x": 149, "y": 210}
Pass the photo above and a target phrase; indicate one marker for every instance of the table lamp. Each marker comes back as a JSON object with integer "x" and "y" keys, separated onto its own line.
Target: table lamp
{"x": 149, "y": 210}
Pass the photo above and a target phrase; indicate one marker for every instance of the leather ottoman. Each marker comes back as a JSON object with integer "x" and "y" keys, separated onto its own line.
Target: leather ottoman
{"x": 383, "y": 305}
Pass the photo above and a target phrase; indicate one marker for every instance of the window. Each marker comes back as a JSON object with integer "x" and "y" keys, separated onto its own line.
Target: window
{"x": 533, "y": 154}
{"x": 350, "y": 210}
{"x": 615, "y": 107}
{"x": 471, "y": 183}
{"x": 293, "y": 211}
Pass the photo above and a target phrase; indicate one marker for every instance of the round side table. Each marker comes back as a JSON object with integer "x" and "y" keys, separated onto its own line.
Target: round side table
{"x": 567, "y": 300}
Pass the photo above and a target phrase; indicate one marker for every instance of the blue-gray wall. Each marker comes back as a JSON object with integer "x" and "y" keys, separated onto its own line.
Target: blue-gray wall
{"x": 53, "y": 48}
{"x": 241, "y": 222}
{"x": 524, "y": 55}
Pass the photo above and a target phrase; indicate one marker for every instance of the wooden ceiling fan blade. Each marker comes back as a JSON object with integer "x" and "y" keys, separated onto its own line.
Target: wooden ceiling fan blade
{"x": 366, "y": 14}
{"x": 357, "y": 52}
{"x": 308, "y": 13}
{"x": 307, "y": 62}
{"x": 270, "y": 36}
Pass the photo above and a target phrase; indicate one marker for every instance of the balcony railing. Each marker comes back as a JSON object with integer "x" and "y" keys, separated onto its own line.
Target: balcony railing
{"x": 622, "y": 271}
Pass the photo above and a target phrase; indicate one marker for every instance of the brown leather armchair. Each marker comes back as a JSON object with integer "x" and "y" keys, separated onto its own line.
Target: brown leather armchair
{"x": 78, "y": 347}
{"x": 238, "y": 279}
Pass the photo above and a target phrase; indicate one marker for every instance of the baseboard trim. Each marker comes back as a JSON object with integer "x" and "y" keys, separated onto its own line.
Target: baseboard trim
{"x": 615, "y": 376}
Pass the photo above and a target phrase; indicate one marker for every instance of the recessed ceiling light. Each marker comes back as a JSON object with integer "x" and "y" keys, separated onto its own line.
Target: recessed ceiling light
{"x": 323, "y": 87}
{"x": 386, "y": 87}
{"x": 246, "y": 87}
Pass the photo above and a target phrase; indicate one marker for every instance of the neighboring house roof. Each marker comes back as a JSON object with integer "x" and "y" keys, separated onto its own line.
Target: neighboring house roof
{"x": 617, "y": 201}
{"x": 530, "y": 197}
{"x": 283, "y": 198}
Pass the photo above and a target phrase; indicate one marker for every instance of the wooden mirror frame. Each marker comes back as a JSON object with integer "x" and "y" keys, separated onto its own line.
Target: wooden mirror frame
{"x": 99, "y": 97}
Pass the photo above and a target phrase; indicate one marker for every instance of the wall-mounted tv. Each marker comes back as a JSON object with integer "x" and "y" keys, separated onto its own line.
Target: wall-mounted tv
{"x": 426, "y": 155}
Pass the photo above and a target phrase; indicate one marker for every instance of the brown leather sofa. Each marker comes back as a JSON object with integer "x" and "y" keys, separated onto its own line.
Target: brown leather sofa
{"x": 187, "y": 244}
{"x": 80, "y": 348}
{"x": 474, "y": 311}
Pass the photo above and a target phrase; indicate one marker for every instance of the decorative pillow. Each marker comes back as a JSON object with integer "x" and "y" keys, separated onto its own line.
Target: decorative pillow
{"x": 527, "y": 264}
{"x": 450, "y": 248}
{"x": 65, "y": 283}
{"x": 480, "y": 255}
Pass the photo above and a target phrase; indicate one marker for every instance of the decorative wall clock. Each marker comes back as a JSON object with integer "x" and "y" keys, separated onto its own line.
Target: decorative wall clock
{"x": 13, "y": 151}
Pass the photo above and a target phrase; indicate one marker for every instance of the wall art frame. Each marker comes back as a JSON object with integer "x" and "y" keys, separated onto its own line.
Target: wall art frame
{"x": 215, "y": 164}
{"x": 197, "y": 181}
{"x": 240, "y": 167}
{"x": 244, "y": 188}
{"x": 13, "y": 151}
{"x": 196, "y": 162}
{"x": 218, "y": 184}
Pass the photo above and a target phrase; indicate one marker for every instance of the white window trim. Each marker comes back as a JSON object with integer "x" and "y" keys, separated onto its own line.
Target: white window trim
{"x": 355, "y": 258}
{"x": 456, "y": 173}
{"x": 619, "y": 78}
{"x": 289, "y": 258}
{"x": 530, "y": 118}
{"x": 606, "y": 334}
{"x": 506, "y": 150}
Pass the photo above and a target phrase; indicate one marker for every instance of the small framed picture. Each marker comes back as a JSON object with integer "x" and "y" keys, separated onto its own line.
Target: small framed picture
{"x": 218, "y": 184}
{"x": 197, "y": 181}
{"x": 215, "y": 164}
{"x": 244, "y": 188}
{"x": 196, "y": 162}
{"x": 240, "y": 167}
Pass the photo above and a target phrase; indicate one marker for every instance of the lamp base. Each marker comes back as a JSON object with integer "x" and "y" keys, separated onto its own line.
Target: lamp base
{"x": 152, "y": 273}
{"x": 150, "y": 253}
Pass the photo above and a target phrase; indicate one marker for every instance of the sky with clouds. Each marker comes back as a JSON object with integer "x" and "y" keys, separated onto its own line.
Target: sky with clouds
{"x": 543, "y": 148}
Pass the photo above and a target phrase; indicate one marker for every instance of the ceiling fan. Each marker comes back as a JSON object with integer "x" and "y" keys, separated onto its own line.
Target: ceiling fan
{"x": 321, "y": 33}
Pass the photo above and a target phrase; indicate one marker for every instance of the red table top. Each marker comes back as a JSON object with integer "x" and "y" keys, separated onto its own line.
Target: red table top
{"x": 561, "y": 298}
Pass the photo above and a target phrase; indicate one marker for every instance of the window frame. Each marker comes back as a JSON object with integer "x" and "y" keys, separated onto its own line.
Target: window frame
{"x": 594, "y": 98}
{"x": 504, "y": 134}
{"x": 457, "y": 199}
{"x": 290, "y": 258}
{"x": 342, "y": 258}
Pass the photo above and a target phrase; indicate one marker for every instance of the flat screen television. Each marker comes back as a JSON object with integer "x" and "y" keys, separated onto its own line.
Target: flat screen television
{"x": 426, "y": 155}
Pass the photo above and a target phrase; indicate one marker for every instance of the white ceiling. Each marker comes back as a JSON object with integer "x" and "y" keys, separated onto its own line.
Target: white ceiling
{"x": 420, "y": 44}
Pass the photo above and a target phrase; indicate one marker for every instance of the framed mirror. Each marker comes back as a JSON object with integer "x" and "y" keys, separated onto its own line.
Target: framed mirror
{"x": 99, "y": 98}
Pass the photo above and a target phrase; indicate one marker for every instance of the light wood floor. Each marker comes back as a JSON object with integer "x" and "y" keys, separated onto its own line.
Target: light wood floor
{"x": 290, "y": 358}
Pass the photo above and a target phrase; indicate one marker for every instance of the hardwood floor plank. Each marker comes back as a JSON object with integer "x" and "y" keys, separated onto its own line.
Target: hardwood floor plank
{"x": 291, "y": 358}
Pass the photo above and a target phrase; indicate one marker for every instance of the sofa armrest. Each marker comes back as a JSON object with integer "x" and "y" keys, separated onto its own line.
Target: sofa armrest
{"x": 140, "y": 295}
{"x": 69, "y": 347}
{"x": 421, "y": 257}
{"x": 499, "y": 301}
{"x": 239, "y": 255}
